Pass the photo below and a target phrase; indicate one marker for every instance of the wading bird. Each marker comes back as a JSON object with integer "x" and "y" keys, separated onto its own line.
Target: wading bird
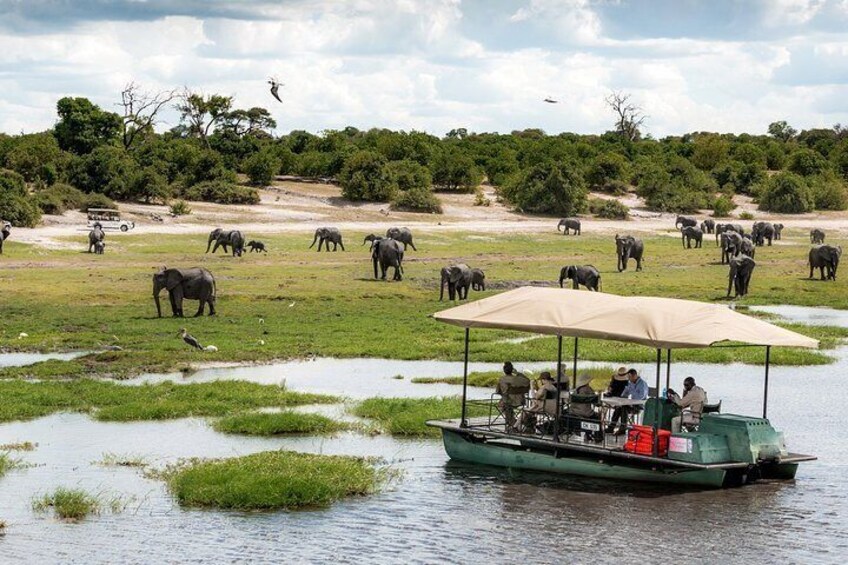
{"x": 189, "y": 339}
{"x": 275, "y": 89}
{"x": 550, "y": 100}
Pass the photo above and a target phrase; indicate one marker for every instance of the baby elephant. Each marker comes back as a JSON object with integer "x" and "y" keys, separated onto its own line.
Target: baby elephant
{"x": 99, "y": 247}
{"x": 478, "y": 279}
{"x": 587, "y": 275}
{"x": 256, "y": 246}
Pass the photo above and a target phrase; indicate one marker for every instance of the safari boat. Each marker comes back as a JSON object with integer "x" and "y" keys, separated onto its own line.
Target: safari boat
{"x": 724, "y": 450}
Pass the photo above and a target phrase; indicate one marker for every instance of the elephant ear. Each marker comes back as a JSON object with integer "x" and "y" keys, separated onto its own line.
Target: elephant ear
{"x": 173, "y": 277}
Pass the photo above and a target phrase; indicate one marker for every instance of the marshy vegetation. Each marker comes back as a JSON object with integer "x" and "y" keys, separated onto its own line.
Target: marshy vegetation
{"x": 278, "y": 423}
{"x": 76, "y": 504}
{"x": 272, "y": 480}
{"x": 407, "y": 416}
{"x": 488, "y": 379}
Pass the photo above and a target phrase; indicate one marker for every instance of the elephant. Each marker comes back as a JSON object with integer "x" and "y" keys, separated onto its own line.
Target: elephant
{"x": 719, "y": 229}
{"x": 256, "y": 246}
{"x": 731, "y": 242}
{"x": 778, "y": 229}
{"x": 372, "y": 238}
{"x": 4, "y": 234}
{"x": 627, "y": 247}
{"x": 458, "y": 279}
{"x": 685, "y": 221}
{"x": 689, "y": 233}
{"x": 478, "y": 279}
{"x": 587, "y": 275}
{"x": 816, "y": 236}
{"x": 708, "y": 226}
{"x": 567, "y": 224}
{"x": 94, "y": 236}
{"x": 762, "y": 231}
{"x": 388, "y": 253}
{"x": 236, "y": 241}
{"x": 747, "y": 247}
{"x": 402, "y": 235}
{"x": 739, "y": 277}
{"x": 825, "y": 257}
{"x": 221, "y": 238}
{"x": 99, "y": 247}
{"x": 325, "y": 236}
{"x": 195, "y": 284}
{"x": 735, "y": 227}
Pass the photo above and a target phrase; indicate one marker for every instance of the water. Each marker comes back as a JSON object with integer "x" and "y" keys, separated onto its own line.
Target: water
{"x": 441, "y": 511}
{"x": 22, "y": 359}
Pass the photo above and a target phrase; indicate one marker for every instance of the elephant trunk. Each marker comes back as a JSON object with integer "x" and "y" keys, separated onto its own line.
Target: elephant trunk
{"x": 209, "y": 243}
{"x": 442, "y": 289}
{"x": 314, "y": 239}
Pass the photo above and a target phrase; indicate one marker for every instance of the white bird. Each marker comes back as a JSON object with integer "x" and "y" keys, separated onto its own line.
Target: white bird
{"x": 189, "y": 339}
{"x": 292, "y": 304}
{"x": 211, "y": 348}
{"x": 261, "y": 321}
{"x": 275, "y": 89}
{"x": 23, "y": 335}
{"x": 261, "y": 342}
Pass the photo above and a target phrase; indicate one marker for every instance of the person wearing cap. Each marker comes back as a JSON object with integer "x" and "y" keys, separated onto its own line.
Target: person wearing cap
{"x": 694, "y": 398}
{"x": 512, "y": 386}
{"x": 616, "y": 387}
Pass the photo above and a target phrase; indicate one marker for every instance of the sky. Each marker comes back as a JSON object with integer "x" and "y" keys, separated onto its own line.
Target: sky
{"x": 435, "y": 65}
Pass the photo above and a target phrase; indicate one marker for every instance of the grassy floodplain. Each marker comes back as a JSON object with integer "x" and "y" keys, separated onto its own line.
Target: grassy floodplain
{"x": 327, "y": 304}
{"x": 407, "y": 416}
{"x": 271, "y": 480}
{"x": 279, "y": 423}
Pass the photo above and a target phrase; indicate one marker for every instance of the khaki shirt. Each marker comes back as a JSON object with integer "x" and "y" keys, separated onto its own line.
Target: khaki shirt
{"x": 507, "y": 386}
{"x": 549, "y": 405}
{"x": 693, "y": 399}
{"x": 581, "y": 409}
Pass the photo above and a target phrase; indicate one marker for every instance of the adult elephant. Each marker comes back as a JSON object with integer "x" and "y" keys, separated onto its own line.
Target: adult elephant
{"x": 739, "y": 277}
{"x": 402, "y": 235}
{"x": 685, "y": 221}
{"x": 735, "y": 227}
{"x": 326, "y": 236}
{"x": 221, "y": 237}
{"x": 778, "y": 230}
{"x": 4, "y": 234}
{"x": 387, "y": 253}
{"x": 747, "y": 247}
{"x": 458, "y": 279}
{"x": 708, "y": 226}
{"x": 731, "y": 242}
{"x": 689, "y": 234}
{"x": 95, "y": 236}
{"x": 587, "y": 275}
{"x": 825, "y": 258}
{"x": 572, "y": 224}
{"x": 478, "y": 279}
{"x": 628, "y": 247}
{"x": 816, "y": 236}
{"x": 761, "y": 232}
{"x": 236, "y": 241}
{"x": 719, "y": 229}
{"x": 195, "y": 284}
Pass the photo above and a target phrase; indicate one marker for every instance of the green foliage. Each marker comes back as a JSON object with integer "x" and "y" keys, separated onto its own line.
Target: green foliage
{"x": 746, "y": 216}
{"x": 59, "y": 198}
{"x": 829, "y": 192}
{"x": 83, "y": 126}
{"x": 107, "y": 169}
{"x": 147, "y": 185}
{"x": 709, "y": 151}
{"x": 407, "y": 416}
{"x": 676, "y": 187}
{"x": 609, "y": 209}
{"x": 722, "y": 206}
{"x": 839, "y": 156}
{"x": 775, "y": 156}
{"x": 261, "y": 167}
{"x": 35, "y": 156}
{"x": 221, "y": 192}
{"x": 786, "y": 193}
{"x": 417, "y": 200}
{"x": 548, "y": 188}
{"x": 366, "y": 177}
{"x": 806, "y": 162}
{"x": 408, "y": 175}
{"x": 96, "y": 200}
{"x": 607, "y": 171}
{"x": 455, "y": 171}
{"x": 782, "y": 131}
{"x": 278, "y": 423}
{"x": 271, "y": 480}
{"x": 180, "y": 208}
{"x": 68, "y": 504}
{"x": 16, "y": 206}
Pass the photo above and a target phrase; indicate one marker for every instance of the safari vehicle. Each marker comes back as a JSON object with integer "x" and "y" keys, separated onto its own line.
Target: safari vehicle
{"x": 724, "y": 450}
{"x": 109, "y": 219}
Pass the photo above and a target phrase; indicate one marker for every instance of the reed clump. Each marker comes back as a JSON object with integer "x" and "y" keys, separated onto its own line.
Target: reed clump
{"x": 76, "y": 504}
{"x": 278, "y": 423}
{"x": 407, "y": 416}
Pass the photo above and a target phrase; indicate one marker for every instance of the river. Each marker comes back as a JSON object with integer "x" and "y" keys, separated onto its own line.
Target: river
{"x": 440, "y": 511}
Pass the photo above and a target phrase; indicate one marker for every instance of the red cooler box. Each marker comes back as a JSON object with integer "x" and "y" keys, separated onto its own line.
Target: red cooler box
{"x": 640, "y": 439}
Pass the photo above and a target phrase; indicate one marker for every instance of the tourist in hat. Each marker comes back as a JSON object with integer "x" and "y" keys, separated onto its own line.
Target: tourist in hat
{"x": 618, "y": 382}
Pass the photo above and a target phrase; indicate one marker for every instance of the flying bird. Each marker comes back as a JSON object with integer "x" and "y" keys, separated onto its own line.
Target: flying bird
{"x": 275, "y": 89}
{"x": 189, "y": 339}
{"x": 550, "y": 100}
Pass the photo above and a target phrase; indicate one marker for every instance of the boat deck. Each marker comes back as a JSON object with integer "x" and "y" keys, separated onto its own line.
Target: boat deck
{"x": 612, "y": 447}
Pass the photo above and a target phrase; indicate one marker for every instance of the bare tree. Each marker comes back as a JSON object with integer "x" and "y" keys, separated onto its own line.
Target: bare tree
{"x": 140, "y": 110}
{"x": 202, "y": 113}
{"x": 629, "y": 116}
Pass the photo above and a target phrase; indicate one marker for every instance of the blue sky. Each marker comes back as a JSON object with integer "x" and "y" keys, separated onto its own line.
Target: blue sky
{"x": 434, "y": 65}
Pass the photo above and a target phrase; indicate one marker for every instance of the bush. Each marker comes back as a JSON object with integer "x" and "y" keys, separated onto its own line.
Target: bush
{"x": 547, "y": 189}
{"x": 96, "y": 200}
{"x": 806, "y": 162}
{"x": 59, "y": 198}
{"x": 787, "y": 193}
{"x": 746, "y": 216}
{"x": 722, "y": 206}
{"x": 678, "y": 187}
{"x": 180, "y": 208}
{"x": 480, "y": 198}
{"x": 608, "y": 171}
{"x": 148, "y": 185}
{"x": 456, "y": 172}
{"x": 408, "y": 175}
{"x": 609, "y": 209}
{"x": 221, "y": 192}
{"x": 417, "y": 199}
{"x": 261, "y": 168}
{"x": 16, "y": 206}
{"x": 829, "y": 192}
{"x": 366, "y": 177}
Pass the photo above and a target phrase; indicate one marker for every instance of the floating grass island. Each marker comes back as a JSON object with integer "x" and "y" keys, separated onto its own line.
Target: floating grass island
{"x": 406, "y": 416}
{"x": 278, "y": 423}
{"x": 75, "y": 504}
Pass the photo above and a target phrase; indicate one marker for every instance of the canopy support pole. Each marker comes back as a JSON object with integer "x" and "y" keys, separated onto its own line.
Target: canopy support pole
{"x": 657, "y": 405}
{"x": 559, "y": 390}
{"x": 667, "y": 369}
{"x": 463, "y": 421}
{"x": 574, "y": 366}
{"x": 765, "y": 384}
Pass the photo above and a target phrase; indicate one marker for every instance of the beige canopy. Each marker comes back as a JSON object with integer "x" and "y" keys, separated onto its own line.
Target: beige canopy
{"x": 664, "y": 323}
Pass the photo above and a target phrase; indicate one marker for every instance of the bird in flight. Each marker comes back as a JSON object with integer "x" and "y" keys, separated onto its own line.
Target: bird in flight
{"x": 550, "y": 100}
{"x": 189, "y": 339}
{"x": 275, "y": 88}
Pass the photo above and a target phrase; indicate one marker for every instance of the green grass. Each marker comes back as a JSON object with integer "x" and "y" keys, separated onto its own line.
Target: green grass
{"x": 69, "y": 504}
{"x": 406, "y": 416}
{"x": 115, "y": 460}
{"x": 327, "y": 304}
{"x": 107, "y": 401}
{"x": 277, "y": 423}
{"x": 488, "y": 379}
{"x": 271, "y": 480}
{"x": 19, "y": 446}
{"x": 6, "y": 463}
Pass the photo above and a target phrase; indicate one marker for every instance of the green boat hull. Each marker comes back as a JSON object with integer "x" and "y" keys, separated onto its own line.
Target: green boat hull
{"x": 460, "y": 448}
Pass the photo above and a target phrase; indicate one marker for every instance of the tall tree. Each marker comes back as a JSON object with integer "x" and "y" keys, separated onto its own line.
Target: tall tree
{"x": 628, "y": 116}
{"x": 83, "y": 126}
{"x": 140, "y": 111}
{"x": 781, "y": 130}
{"x": 202, "y": 113}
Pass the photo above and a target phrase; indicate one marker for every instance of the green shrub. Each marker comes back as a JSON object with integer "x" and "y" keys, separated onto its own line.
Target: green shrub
{"x": 806, "y": 162}
{"x": 608, "y": 172}
{"x": 548, "y": 188}
{"x": 147, "y": 185}
{"x": 746, "y": 216}
{"x": 366, "y": 177}
{"x": 480, "y": 197}
{"x": 722, "y": 206}
{"x": 417, "y": 200}
{"x": 676, "y": 187}
{"x": 68, "y": 504}
{"x": 787, "y": 193}
{"x": 59, "y": 198}
{"x": 455, "y": 171}
{"x": 829, "y": 192}
{"x": 16, "y": 205}
{"x": 180, "y": 208}
{"x": 96, "y": 200}
{"x": 609, "y": 209}
{"x": 408, "y": 175}
{"x": 261, "y": 168}
{"x": 221, "y": 192}
{"x": 277, "y": 423}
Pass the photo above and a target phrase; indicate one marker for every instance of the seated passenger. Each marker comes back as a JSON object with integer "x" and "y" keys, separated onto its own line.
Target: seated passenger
{"x": 544, "y": 401}
{"x": 694, "y": 398}
{"x": 616, "y": 387}
{"x": 582, "y": 409}
{"x": 636, "y": 389}
{"x": 512, "y": 387}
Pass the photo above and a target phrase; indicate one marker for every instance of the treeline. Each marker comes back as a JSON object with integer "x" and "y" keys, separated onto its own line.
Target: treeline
{"x": 93, "y": 155}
